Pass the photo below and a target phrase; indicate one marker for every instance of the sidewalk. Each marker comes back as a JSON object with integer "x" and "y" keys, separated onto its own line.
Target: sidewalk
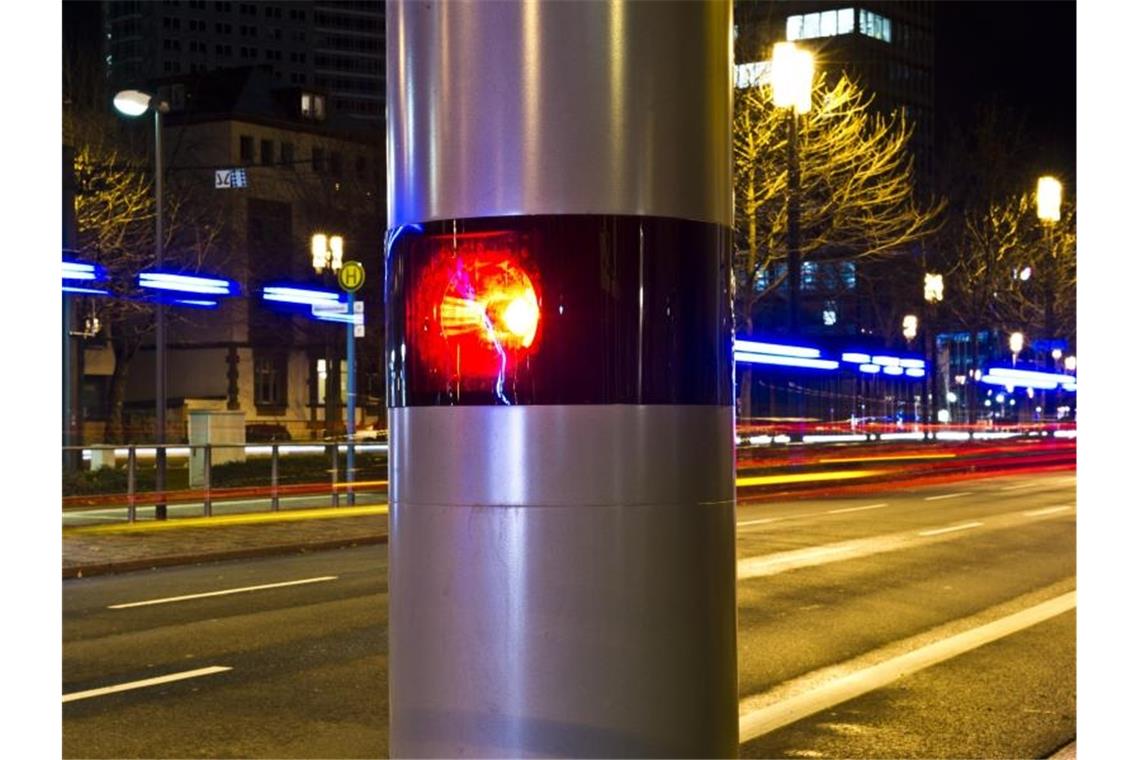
{"x": 102, "y": 549}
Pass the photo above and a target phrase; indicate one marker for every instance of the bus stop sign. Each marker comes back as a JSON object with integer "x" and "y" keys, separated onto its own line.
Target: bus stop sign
{"x": 351, "y": 276}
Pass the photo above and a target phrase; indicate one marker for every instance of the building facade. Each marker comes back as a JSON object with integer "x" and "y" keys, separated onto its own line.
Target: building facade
{"x": 307, "y": 170}
{"x": 335, "y": 47}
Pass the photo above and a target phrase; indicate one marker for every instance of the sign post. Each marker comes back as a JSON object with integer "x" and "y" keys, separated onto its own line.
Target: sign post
{"x": 351, "y": 278}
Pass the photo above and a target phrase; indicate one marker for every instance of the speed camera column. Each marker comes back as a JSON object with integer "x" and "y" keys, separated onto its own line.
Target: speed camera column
{"x": 559, "y": 349}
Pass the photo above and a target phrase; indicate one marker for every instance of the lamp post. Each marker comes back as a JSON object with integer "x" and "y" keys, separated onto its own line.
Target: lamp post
{"x": 1016, "y": 343}
{"x": 1049, "y": 212}
{"x": 328, "y": 253}
{"x": 792, "y": 71}
{"x": 136, "y": 103}
{"x": 931, "y": 296}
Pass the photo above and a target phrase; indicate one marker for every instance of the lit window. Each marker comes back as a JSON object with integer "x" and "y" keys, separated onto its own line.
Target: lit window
{"x": 874, "y": 25}
{"x": 752, "y": 74}
{"x": 807, "y": 274}
{"x": 846, "y": 18}
{"x": 825, "y": 24}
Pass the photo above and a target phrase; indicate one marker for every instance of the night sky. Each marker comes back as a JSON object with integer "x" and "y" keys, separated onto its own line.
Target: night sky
{"x": 1024, "y": 55}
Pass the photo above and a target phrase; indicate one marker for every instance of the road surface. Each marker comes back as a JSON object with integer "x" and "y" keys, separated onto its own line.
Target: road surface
{"x": 928, "y": 621}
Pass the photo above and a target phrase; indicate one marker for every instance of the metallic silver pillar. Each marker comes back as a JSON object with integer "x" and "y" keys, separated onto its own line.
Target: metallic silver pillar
{"x": 561, "y": 576}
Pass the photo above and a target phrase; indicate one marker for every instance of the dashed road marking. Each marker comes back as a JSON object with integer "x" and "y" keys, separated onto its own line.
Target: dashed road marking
{"x": 77, "y": 695}
{"x": 855, "y": 509}
{"x": 830, "y": 686}
{"x": 948, "y": 496}
{"x": 950, "y": 529}
{"x": 1046, "y": 511}
{"x": 223, "y": 592}
{"x": 762, "y": 521}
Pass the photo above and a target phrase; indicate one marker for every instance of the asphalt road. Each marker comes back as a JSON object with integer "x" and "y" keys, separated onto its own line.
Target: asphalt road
{"x": 925, "y": 622}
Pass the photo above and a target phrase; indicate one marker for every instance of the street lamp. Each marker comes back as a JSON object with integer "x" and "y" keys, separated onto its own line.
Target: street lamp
{"x": 910, "y": 328}
{"x": 1016, "y": 343}
{"x": 1049, "y": 212}
{"x": 793, "y": 69}
{"x": 328, "y": 253}
{"x": 1070, "y": 363}
{"x": 134, "y": 103}
{"x": 932, "y": 288}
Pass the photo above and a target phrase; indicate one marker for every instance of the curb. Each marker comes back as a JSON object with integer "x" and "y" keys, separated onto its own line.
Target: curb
{"x": 152, "y": 563}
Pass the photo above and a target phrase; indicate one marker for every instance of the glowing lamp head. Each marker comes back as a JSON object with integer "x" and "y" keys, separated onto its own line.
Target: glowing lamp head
{"x": 1056, "y": 354}
{"x": 1048, "y": 199}
{"x": 793, "y": 68}
{"x": 136, "y": 103}
{"x": 1070, "y": 363}
{"x": 1016, "y": 342}
{"x": 932, "y": 288}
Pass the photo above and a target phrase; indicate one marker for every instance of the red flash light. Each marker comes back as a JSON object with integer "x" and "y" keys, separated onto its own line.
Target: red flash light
{"x": 475, "y": 310}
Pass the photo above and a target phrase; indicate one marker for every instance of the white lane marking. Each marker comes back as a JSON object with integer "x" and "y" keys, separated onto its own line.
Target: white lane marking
{"x": 948, "y": 496}
{"x": 221, "y": 593}
{"x": 771, "y": 715}
{"x": 145, "y": 682}
{"x": 781, "y": 562}
{"x": 856, "y": 509}
{"x": 1019, "y": 486}
{"x": 951, "y": 529}
{"x": 758, "y": 522}
{"x": 1046, "y": 511}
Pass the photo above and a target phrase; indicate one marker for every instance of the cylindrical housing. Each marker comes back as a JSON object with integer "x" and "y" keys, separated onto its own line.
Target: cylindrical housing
{"x": 559, "y": 343}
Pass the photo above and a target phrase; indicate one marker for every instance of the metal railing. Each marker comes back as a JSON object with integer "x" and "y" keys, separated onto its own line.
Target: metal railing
{"x": 119, "y": 479}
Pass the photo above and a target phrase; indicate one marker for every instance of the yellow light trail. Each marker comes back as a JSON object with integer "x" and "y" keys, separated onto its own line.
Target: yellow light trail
{"x": 291, "y": 515}
{"x": 806, "y": 477}
{"x": 888, "y": 458}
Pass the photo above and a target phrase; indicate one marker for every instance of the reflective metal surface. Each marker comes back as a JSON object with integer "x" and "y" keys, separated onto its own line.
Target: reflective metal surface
{"x": 605, "y": 626}
{"x": 561, "y": 455}
{"x": 509, "y": 108}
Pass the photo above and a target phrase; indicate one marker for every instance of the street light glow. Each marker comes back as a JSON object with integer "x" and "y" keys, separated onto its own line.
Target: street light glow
{"x": 932, "y": 288}
{"x": 910, "y": 326}
{"x": 793, "y": 68}
{"x": 132, "y": 102}
{"x": 1048, "y": 199}
{"x": 1071, "y": 363}
{"x": 1016, "y": 342}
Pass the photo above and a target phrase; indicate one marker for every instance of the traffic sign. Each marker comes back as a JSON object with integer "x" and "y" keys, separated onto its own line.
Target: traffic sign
{"x": 229, "y": 178}
{"x": 351, "y": 276}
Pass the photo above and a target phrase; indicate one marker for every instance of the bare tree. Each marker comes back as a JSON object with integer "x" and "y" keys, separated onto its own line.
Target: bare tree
{"x": 115, "y": 216}
{"x": 857, "y": 197}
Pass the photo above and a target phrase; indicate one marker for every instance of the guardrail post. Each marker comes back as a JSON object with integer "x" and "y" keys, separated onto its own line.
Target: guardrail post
{"x": 207, "y": 506}
{"x": 130, "y": 484}
{"x": 335, "y": 495}
{"x": 274, "y": 499}
{"x": 350, "y": 473}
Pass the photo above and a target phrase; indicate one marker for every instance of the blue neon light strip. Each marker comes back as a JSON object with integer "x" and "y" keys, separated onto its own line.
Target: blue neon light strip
{"x": 915, "y": 372}
{"x": 200, "y": 303}
{"x": 1027, "y": 374}
{"x": 912, "y": 363}
{"x": 1019, "y": 382}
{"x": 303, "y": 296}
{"x": 81, "y": 270}
{"x": 186, "y": 283}
{"x": 86, "y": 291}
{"x": 776, "y": 349}
{"x": 870, "y": 369}
{"x": 892, "y": 370}
{"x": 785, "y": 361}
{"x": 886, "y": 361}
{"x": 856, "y": 358}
